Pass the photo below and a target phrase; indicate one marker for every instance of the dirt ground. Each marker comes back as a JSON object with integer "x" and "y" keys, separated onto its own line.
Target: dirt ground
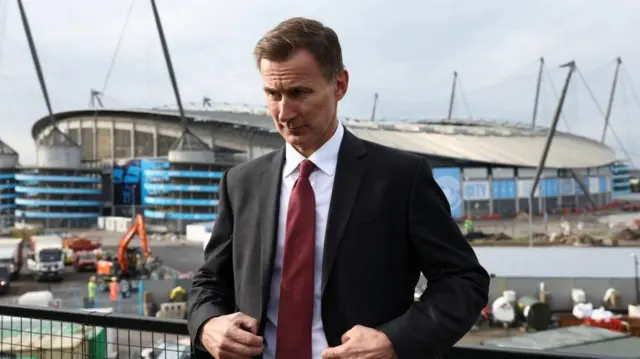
{"x": 596, "y": 226}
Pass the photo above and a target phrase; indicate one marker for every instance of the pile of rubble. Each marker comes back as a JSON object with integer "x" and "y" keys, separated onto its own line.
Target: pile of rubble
{"x": 627, "y": 234}
{"x": 581, "y": 240}
{"x": 499, "y": 237}
{"x": 541, "y": 237}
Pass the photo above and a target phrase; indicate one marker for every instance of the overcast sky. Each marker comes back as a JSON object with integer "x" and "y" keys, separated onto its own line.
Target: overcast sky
{"x": 406, "y": 50}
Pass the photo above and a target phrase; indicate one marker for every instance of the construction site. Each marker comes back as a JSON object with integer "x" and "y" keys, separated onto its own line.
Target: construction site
{"x": 127, "y": 271}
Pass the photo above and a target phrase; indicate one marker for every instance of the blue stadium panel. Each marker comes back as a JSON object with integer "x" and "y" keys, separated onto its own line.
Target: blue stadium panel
{"x": 44, "y": 178}
{"x": 196, "y": 217}
{"x": 176, "y": 194}
{"x": 181, "y": 202}
{"x": 56, "y": 215}
{"x": 55, "y": 203}
{"x": 160, "y": 188}
{"x": 58, "y": 198}
{"x": 167, "y": 174}
{"x": 7, "y": 196}
{"x": 621, "y": 179}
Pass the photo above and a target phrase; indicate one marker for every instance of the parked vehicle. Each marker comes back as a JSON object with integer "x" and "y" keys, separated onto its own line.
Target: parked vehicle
{"x": 84, "y": 261}
{"x": 47, "y": 259}
{"x": 5, "y": 279}
{"x": 11, "y": 255}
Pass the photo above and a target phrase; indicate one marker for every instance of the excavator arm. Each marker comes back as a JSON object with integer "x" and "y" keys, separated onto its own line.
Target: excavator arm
{"x": 139, "y": 228}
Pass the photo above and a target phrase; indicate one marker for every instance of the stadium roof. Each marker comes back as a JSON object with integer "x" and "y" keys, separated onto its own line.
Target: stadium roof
{"x": 504, "y": 143}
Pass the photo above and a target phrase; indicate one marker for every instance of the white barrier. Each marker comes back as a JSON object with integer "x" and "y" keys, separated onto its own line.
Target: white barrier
{"x": 123, "y": 224}
{"x": 199, "y": 232}
{"x": 115, "y": 224}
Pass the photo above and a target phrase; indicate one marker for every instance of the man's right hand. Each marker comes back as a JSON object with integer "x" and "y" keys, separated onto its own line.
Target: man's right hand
{"x": 232, "y": 336}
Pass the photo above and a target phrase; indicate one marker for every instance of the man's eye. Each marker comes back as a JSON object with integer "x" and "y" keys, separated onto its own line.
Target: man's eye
{"x": 297, "y": 92}
{"x": 273, "y": 95}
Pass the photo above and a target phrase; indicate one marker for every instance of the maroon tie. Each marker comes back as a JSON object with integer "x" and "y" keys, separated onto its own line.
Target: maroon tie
{"x": 295, "y": 312}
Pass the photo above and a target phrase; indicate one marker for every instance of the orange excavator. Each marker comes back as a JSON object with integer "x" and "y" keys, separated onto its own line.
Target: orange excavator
{"x": 129, "y": 263}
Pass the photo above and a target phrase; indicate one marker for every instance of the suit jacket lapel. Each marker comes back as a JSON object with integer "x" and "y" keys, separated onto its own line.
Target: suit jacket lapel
{"x": 268, "y": 219}
{"x": 350, "y": 172}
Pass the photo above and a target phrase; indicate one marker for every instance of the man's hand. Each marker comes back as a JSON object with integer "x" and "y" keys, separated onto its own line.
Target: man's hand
{"x": 362, "y": 343}
{"x": 232, "y": 336}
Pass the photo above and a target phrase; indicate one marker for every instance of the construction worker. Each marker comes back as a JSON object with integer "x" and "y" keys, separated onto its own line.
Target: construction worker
{"x": 91, "y": 289}
{"x": 178, "y": 294}
{"x": 113, "y": 289}
{"x": 469, "y": 226}
{"x": 124, "y": 288}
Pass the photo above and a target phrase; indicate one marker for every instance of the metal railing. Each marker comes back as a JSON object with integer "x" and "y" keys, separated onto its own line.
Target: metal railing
{"x": 30, "y": 332}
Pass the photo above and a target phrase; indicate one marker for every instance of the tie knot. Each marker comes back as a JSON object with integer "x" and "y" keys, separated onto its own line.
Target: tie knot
{"x": 306, "y": 167}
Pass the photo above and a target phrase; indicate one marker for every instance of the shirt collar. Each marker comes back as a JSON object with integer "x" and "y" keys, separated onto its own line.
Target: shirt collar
{"x": 325, "y": 158}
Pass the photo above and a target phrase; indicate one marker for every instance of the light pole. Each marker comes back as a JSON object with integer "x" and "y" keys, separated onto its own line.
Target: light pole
{"x": 635, "y": 277}
{"x": 133, "y": 201}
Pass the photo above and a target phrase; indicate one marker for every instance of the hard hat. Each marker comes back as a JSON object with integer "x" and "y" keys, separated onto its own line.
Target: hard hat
{"x": 114, "y": 279}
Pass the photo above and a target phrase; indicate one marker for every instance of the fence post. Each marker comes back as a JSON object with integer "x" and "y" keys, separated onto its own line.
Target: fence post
{"x": 141, "y": 297}
{"x": 79, "y": 299}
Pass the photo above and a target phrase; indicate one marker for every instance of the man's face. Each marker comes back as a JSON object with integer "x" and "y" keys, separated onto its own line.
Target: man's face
{"x": 302, "y": 102}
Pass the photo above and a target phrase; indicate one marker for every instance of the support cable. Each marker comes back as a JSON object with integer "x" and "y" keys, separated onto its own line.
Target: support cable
{"x": 464, "y": 98}
{"x": 557, "y": 97}
{"x": 512, "y": 76}
{"x": 634, "y": 93}
{"x": 117, "y": 50}
{"x": 595, "y": 100}
{"x": 4, "y": 9}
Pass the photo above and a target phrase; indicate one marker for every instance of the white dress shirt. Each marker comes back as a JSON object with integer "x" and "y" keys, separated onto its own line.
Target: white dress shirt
{"x": 325, "y": 159}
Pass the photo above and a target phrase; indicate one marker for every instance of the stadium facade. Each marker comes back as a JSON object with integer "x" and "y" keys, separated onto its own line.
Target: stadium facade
{"x": 484, "y": 168}
{"x": 8, "y": 167}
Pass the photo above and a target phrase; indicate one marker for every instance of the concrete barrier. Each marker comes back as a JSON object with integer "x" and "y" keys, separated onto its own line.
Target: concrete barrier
{"x": 173, "y": 310}
{"x": 160, "y": 289}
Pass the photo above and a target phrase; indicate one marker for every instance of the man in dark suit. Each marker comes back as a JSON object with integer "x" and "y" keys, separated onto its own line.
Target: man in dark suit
{"x": 317, "y": 247}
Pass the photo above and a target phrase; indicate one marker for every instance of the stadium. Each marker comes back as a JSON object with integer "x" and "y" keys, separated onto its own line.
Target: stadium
{"x": 486, "y": 169}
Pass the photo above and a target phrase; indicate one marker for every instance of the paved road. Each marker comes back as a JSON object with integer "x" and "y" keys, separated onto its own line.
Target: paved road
{"x": 26, "y": 283}
{"x": 181, "y": 258}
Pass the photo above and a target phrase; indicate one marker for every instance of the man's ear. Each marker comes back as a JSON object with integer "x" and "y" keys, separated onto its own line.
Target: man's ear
{"x": 342, "y": 84}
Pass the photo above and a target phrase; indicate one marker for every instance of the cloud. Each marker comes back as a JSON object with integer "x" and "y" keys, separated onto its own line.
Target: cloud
{"x": 404, "y": 50}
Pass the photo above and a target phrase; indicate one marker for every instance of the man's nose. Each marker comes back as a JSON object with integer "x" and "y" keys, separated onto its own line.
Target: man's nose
{"x": 287, "y": 111}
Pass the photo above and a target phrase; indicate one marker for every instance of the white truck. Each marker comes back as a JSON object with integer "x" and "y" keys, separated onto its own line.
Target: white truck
{"x": 46, "y": 261}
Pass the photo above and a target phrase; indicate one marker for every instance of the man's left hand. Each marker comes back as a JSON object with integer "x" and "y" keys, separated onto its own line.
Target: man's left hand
{"x": 362, "y": 343}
